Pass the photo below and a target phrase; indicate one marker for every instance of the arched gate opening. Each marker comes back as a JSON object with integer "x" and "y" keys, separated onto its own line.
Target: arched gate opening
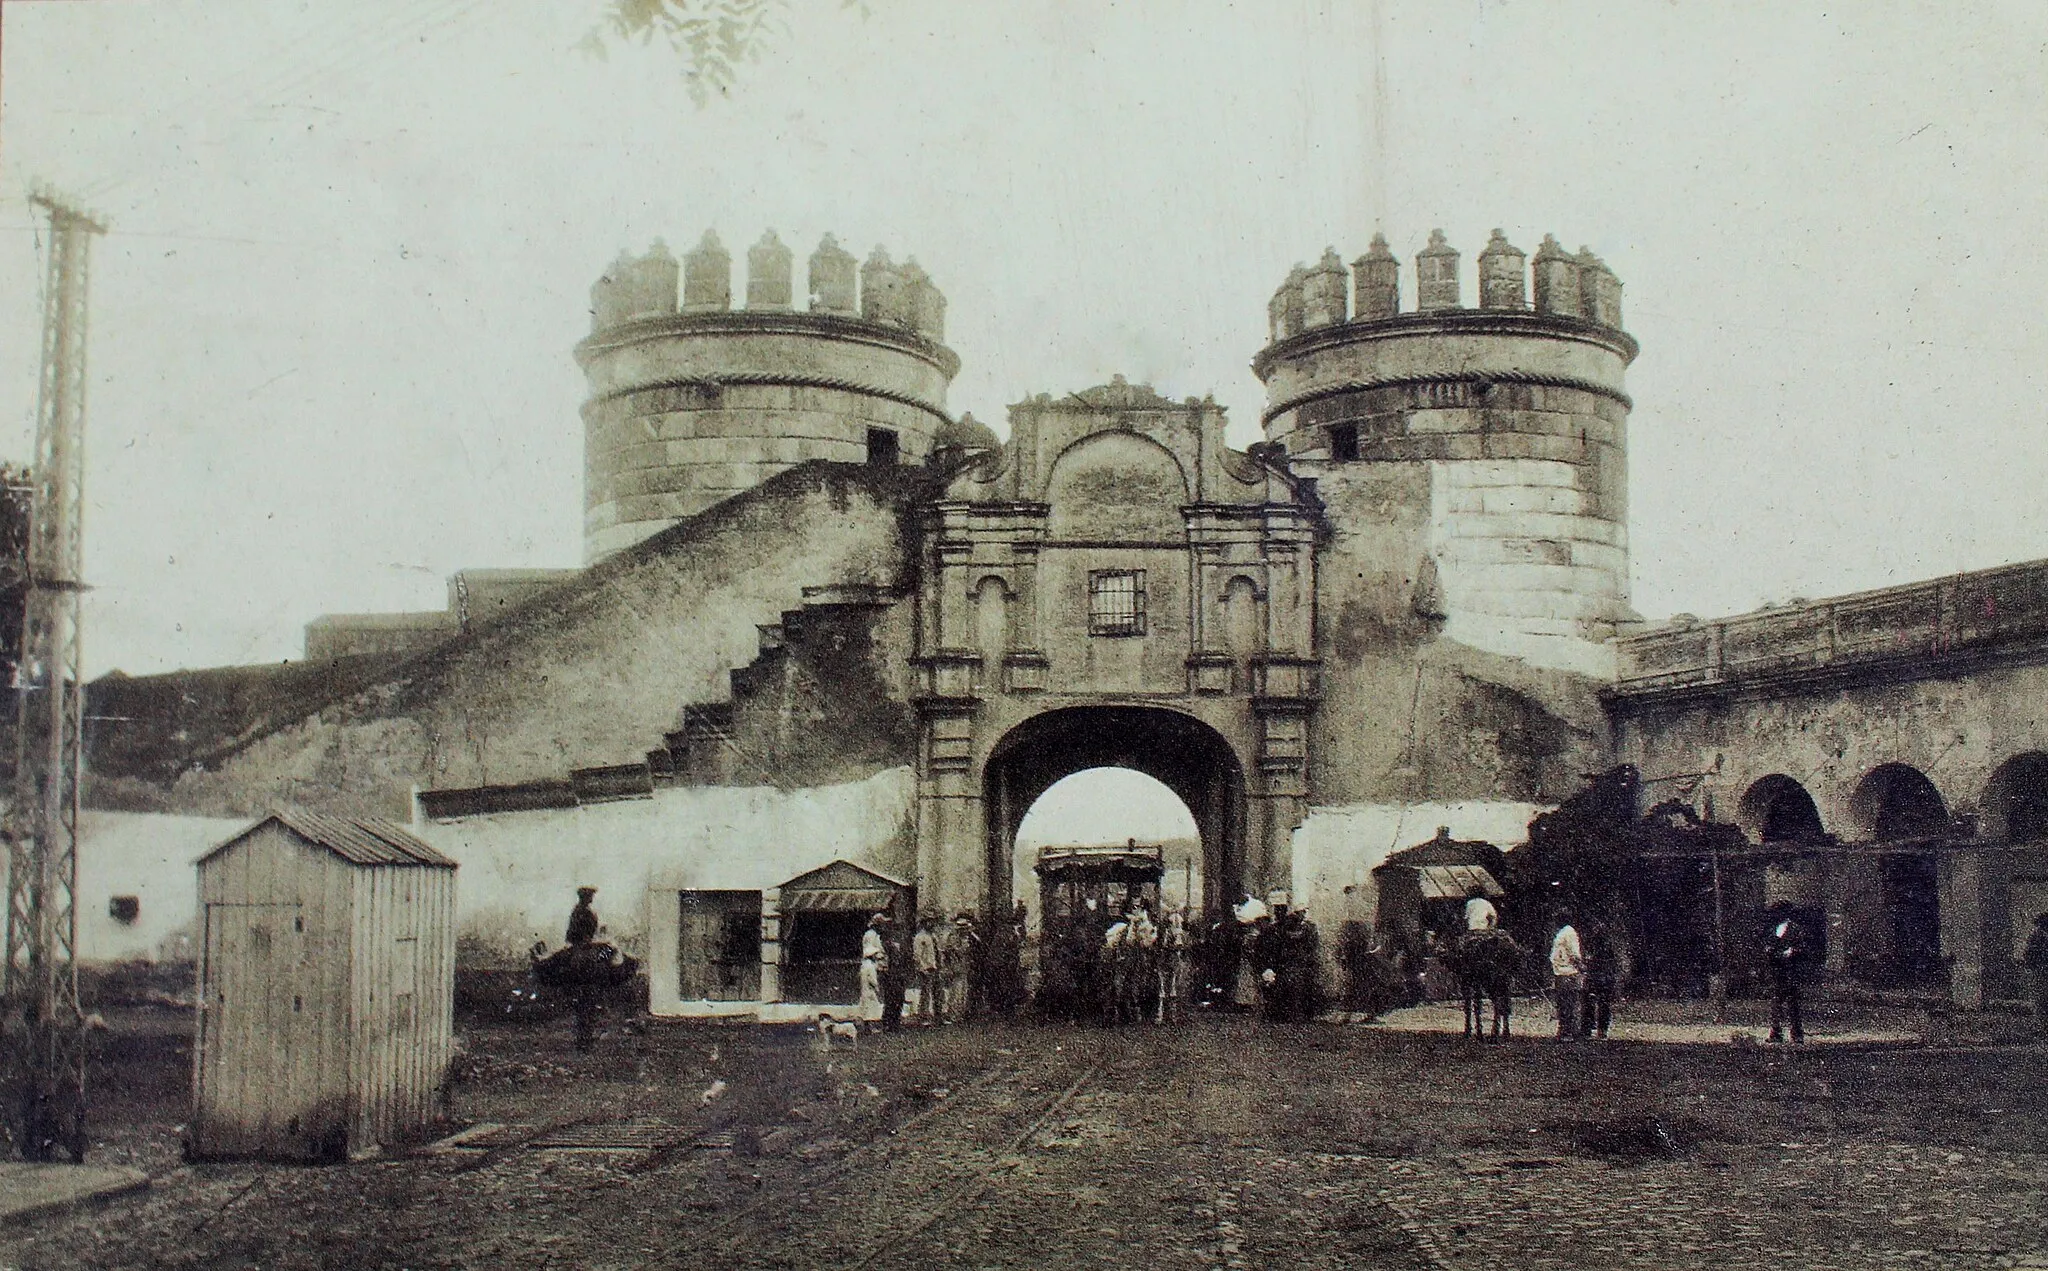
{"x": 1182, "y": 753}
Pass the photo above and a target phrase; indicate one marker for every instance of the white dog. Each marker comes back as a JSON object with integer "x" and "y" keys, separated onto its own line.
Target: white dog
{"x": 844, "y": 1030}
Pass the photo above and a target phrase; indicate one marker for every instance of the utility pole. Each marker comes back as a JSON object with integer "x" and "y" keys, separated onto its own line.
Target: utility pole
{"x": 45, "y": 1025}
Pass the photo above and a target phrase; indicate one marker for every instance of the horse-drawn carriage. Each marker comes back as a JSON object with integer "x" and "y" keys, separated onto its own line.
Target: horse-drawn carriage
{"x": 1086, "y": 896}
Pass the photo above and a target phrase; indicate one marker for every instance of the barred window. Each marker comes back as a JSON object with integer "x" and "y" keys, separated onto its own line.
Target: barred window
{"x": 1116, "y": 602}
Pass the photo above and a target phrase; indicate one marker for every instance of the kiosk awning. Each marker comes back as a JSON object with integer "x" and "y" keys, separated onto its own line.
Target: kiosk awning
{"x": 1455, "y": 882}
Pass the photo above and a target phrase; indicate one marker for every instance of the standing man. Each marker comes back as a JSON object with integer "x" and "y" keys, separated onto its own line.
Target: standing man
{"x": 2035, "y": 959}
{"x": 585, "y": 966}
{"x": 1480, "y": 915}
{"x": 1603, "y": 971}
{"x": 1567, "y": 969}
{"x": 1787, "y": 952}
{"x": 874, "y": 952}
{"x": 924, "y": 955}
{"x": 895, "y": 971}
{"x": 960, "y": 959}
{"x": 582, "y": 919}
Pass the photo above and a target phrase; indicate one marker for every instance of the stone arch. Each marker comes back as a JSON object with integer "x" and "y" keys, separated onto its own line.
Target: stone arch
{"x": 1777, "y": 809}
{"x": 1897, "y": 801}
{"x": 1116, "y": 486}
{"x": 1181, "y": 752}
{"x": 2016, "y": 800}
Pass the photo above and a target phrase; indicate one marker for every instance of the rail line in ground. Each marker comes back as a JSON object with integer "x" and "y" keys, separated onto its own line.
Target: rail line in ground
{"x": 731, "y": 1235}
{"x": 969, "y": 1191}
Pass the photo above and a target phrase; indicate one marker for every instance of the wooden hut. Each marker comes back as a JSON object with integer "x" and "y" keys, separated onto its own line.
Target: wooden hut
{"x": 326, "y": 989}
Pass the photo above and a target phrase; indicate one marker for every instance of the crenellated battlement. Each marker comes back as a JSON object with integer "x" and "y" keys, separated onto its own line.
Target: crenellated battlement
{"x": 1565, "y": 285}
{"x": 657, "y": 285}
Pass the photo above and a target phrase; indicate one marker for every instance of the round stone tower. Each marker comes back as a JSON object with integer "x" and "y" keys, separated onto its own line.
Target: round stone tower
{"x": 693, "y": 403}
{"x": 1504, "y": 427}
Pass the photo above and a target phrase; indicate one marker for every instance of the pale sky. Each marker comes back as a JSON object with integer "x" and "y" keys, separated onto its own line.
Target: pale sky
{"x": 353, "y": 242}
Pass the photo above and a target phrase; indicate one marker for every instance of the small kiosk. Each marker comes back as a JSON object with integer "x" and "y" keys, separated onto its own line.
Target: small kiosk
{"x": 326, "y": 989}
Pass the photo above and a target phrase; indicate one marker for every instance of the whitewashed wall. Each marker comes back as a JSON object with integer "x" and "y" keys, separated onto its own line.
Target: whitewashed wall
{"x": 520, "y": 870}
{"x": 151, "y": 858}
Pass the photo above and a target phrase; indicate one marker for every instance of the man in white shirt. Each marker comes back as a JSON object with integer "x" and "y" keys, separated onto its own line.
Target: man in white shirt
{"x": 1567, "y": 969}
{"x": 873, "y": 955}
{"x": 1480, "y": 915}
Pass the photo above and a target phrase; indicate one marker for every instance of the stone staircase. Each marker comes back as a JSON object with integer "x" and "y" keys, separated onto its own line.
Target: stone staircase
{"x": 807, "y": 710}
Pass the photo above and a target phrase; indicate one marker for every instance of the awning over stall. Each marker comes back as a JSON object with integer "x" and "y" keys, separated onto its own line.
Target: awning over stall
{"x": 840, "y": 887}
{"x": 1455, "y": 882}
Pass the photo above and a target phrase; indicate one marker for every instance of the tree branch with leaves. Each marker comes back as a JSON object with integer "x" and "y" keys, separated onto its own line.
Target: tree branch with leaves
{"x": 714, "y": 37}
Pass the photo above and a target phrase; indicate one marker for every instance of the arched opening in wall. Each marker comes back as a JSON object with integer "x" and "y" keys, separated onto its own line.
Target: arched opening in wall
{"x": 992, "y": 626}
{"x": 1244, "y": 626}
{"x": 1897, "y": 801}
{"x": 1899, "y": 810}
{"x": 2016, "y": 800}
{"x": 1777, "y": 809}
{"x": 1189, "y": 762}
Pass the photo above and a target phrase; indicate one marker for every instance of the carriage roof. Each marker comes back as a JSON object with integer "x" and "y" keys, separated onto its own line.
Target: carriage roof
{"x": 1146, "y": 863}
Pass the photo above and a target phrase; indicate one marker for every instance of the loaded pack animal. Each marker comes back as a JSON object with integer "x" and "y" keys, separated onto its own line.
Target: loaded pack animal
{"x": 588, "y": 973}
{"x": 1485, "y": 964}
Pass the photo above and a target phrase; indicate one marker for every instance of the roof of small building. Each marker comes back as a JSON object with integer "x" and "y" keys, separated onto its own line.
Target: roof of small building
{"x": 359, "y": 840}
{"x": 1445, "y": 850}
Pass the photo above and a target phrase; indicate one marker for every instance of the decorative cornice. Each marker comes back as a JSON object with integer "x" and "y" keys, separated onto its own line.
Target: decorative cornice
{"x": 1456, "y": 377}
{"x": 761, "y": 378}
{"x": 1625, "y": 700}
{"x": 1448, "y": 322}
{"x": 742, "y": 322}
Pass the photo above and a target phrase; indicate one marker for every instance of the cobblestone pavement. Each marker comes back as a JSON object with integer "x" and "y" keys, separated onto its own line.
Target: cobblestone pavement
{"x": 1229, "y": 1143}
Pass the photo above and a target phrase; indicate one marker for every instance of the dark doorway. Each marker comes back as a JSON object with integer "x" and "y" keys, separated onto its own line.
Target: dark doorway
{"x": 1912, "y": 904}
{"x": 1778, "y": 809}
{"x": 1897, "y": 801}
{"x": 821, "y": 956}
{"x": 2017, "y": 799}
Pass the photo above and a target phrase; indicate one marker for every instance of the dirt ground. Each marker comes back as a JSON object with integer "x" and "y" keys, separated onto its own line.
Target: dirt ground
{"x": 1227, "y": 1143}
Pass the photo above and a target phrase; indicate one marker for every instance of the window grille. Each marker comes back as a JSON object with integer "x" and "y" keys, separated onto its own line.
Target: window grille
{"x": 1116, "y": 602}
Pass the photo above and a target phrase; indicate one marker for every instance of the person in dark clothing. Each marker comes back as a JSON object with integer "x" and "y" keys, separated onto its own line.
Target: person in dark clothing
{"x": 1268, "y": 955}
{"x": 895, "y": 976}
{"x": 582, "y": 919}
{"x": 1787, "y": 952}
{"x": 1602, "y": 970}
{"x": 1300, "y": 967}
{"x": 584, "y": 968}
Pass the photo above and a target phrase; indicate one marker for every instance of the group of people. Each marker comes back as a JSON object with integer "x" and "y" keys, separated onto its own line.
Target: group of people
{"x": 1584, "y": 972}
{"x": 1286, "y": 954}
{"x": 1117, "y": 964}
{"x": 959, "y": 969}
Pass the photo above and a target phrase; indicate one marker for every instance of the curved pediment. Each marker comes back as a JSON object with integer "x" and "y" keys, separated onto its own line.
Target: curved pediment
{"x": 1116, "y": 486}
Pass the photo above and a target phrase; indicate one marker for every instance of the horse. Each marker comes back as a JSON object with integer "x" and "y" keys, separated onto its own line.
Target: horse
{"x": 1485, "y": 964}
{"x": 589, "y": 973}
{"x": 1127, "y": 967}
{"x": 1176, "y": 944}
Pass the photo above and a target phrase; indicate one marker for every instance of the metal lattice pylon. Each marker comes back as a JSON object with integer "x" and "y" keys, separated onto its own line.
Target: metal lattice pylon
{"x": 45, "y": 1025}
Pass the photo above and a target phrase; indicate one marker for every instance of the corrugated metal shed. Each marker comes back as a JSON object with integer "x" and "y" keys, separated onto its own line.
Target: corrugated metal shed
{"x": 326, "y": 988}
{"x": 363, "y": 842}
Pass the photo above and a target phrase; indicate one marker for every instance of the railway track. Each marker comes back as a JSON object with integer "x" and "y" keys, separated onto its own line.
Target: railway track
{"x": 851, "y": 1211}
